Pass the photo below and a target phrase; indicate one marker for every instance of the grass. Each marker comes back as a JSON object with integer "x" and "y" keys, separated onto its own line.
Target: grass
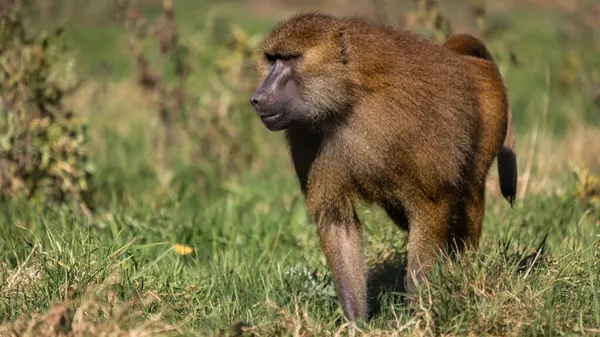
{"x": 255, "y": 266}
{"x": 256, "y": 259}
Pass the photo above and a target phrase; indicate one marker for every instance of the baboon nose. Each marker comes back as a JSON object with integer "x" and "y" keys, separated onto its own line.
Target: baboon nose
{"x": 256, "y": 98}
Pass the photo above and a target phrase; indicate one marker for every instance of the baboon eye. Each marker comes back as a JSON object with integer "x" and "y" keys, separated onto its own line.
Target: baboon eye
{"x": 271, "y": 58}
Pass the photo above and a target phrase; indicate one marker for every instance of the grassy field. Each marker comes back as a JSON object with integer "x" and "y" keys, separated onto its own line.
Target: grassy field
{"x": 204, "y": 243}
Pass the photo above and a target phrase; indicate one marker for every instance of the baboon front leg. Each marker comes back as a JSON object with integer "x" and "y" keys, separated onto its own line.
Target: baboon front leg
{"x": 341, "y": 242}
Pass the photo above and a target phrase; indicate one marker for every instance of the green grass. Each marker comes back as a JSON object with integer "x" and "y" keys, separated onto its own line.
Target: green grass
{"x": 255, "y": 251}
{"x": 256, "y": 257}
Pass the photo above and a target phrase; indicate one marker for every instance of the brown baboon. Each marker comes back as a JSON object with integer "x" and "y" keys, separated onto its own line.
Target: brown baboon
{"x": 375, "y": 113}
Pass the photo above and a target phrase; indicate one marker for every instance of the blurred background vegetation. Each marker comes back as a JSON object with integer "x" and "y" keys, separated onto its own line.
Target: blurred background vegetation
{"x": 129, "y": 120}
{"x": 163, "y": 85}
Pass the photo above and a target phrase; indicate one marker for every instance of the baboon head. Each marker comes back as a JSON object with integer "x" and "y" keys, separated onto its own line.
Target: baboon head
{"x": 302, "y": 65}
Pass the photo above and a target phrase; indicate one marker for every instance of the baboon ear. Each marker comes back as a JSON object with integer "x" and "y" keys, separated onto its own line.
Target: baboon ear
{"x": 340, "y": 37}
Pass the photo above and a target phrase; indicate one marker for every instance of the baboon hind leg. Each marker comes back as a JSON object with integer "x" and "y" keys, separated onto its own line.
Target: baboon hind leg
{"x": 467, "y": 231}
{"x": 475, "y": 213}
{"x": 427, "y": 238}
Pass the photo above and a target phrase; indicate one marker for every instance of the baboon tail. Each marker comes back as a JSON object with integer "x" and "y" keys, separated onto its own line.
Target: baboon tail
{"x": 465, "y": 44}
{"x": 507, "y": 163}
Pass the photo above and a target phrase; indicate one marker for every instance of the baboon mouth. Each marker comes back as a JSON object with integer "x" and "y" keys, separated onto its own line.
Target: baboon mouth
{"x": 270, "y": 117}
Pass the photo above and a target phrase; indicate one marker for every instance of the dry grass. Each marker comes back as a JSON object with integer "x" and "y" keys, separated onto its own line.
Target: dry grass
{"x": 90, "y": 317}
{"x": 543, "y": 162}
{"x": 297, "y": 322}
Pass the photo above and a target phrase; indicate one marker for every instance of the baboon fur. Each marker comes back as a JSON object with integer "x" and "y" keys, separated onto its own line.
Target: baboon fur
{"x": 385, "y": 116}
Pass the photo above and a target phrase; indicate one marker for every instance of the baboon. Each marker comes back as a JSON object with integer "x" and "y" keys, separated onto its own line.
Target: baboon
{"x": 375, "y": 113}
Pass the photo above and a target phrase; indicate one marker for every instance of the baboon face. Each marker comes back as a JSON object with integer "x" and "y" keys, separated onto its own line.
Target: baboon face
{"x": 277, "y": 101}
{"x": 303, "y": 66}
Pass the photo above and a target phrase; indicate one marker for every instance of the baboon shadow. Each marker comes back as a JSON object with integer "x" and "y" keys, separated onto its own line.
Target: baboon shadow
{"x": 386, "y": 277}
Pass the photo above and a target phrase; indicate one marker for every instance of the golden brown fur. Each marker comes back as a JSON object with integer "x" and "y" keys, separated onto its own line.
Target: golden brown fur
{"x": 396, "y": 120}
{"x": 467, "y": 45}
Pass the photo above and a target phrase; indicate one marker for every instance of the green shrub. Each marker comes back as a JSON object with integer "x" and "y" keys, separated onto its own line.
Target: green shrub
{"x": 42, "y": 145}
